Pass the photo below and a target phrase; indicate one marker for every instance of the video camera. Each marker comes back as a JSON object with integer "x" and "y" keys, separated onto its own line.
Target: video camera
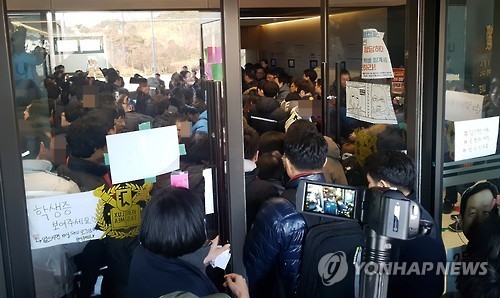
{"x": 387, "y": 211}
{"x": 385, "y": 214}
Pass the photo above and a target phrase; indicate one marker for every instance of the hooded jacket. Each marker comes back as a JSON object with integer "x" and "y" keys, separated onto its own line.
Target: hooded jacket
{"x": 201, "y": 125}
{"x": 273, "y": 247}
{"x": 265, "y": 115}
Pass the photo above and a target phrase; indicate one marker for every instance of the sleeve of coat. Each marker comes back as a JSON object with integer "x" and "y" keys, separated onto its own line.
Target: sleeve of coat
{"x": 260, "y": 254}
{"x": 293, "y": 230}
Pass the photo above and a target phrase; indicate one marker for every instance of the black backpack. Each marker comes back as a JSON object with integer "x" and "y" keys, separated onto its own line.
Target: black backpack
{"x": 334, "y": 245}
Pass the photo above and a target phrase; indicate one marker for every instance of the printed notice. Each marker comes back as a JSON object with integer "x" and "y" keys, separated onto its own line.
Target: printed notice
{"x": 62, "y": 219}
{"x": 462, "y": 106}
{"x": 376, "y": 62}
{"x": 370, "y": 103}
{"x": 142, "y": 154}
{"x": 476, "y": 138}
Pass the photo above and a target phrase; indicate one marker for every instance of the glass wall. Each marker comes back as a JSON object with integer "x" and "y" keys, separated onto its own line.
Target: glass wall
{"x": 366, "y": 100}
{"x": 80, "y": 78}
{"x": 471, "y": 168}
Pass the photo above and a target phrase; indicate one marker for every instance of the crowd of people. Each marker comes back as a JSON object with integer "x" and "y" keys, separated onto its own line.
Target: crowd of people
{"x": 282, "y": 146}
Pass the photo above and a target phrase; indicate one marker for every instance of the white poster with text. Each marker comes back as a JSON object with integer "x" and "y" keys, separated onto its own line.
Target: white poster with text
{"x": 376, "y": 62}
{"x": 62, "y": 219}
{"x": 476, "y": 138}
{"x": 462, "y": 106}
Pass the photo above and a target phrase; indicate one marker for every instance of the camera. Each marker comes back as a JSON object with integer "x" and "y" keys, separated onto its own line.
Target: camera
{"x": 385, "y": 214}
{"x": 387, "y": 211}
{"x": 137, "y": 79}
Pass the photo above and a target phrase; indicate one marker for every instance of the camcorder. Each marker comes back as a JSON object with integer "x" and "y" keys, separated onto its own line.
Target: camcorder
{"x": 385, "y": 214}
{"x": 137, "y": 79}
{"x": 386, "y": 211}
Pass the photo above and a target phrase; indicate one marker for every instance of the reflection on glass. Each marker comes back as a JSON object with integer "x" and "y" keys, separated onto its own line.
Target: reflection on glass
{"x": 78, "y": 78}
{"x": 365, "y": 115}
{"x": 470, "y": 152}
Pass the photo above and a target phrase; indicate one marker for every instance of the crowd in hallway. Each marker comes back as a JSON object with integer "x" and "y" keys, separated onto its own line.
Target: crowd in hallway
{"x": 176, "y": 242}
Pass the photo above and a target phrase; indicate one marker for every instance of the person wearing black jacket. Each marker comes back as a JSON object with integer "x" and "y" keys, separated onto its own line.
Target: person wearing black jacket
{"x": 265, "y": 114}
{"x": 142, "y": 97}
{"x": 174, "y": 258}
{"x": 257, "y": 190}
{"x": 273, "y": 247}
{"x": 391, "y": 168}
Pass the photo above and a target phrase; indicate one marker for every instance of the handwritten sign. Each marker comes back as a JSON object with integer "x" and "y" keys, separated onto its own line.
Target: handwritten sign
{"x": 62, "y": 219}
{"x": 142, "y": 154}
{"x": 476, "y": 138}
{"x": 376, "y": 62}
{"x": 369, "y": 102}
{"x": 462, "y": 106}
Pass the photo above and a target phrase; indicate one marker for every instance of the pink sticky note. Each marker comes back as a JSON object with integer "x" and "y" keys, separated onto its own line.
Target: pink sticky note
{"x": 214, "y": 54}
{"x": 179, "y": 180}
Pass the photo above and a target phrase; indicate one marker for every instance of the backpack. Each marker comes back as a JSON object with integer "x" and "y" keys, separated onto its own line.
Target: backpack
{"x": 327, "y": 262}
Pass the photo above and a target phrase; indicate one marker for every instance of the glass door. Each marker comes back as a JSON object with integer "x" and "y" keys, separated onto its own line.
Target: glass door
{"x": 363, "y": 80}
{"x": 103, "y": 64}
{"x": 470, "y": 120}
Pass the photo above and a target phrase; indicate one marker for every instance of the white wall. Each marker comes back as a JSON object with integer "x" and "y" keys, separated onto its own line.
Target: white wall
{"x": 301, "y": 40}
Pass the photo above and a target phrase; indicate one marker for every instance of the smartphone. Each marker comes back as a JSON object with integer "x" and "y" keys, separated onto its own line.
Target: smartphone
{"x": 330, "y": 200}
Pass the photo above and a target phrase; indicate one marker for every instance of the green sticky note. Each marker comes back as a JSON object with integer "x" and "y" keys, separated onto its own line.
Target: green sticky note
{"x": 106, "y": 159}
{"x": 216, "y": 71}
{"x": 150, "y": 179}
{"x": 182, "y": 149}
{"x": 145, "y": 125}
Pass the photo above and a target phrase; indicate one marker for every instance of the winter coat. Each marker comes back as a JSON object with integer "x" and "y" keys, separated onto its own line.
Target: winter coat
{"x": 266, "y": 115}
{"x": 257, "y": 192}
{"x": 153, "y": 275}
{"x": 201, "y": 125}
{"x": 273, "y": 247}
{"x": 333, "y": 170}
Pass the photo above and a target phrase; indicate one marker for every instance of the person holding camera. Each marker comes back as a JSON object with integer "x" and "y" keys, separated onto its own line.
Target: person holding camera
{"x": 394, "y": 169}
{"x": 273, "y": 247}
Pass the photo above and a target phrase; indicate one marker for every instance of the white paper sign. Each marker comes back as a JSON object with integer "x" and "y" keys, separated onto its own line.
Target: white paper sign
{"x": 462, "y": 106}
{"x": 143, "y": 154}
{"x": 476, "y": 138}
{"x": 62, "y": 219}
{"x": 370, "y": 102}
{"x": 209, "y": 193}
{"x": 376, "y": 62}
